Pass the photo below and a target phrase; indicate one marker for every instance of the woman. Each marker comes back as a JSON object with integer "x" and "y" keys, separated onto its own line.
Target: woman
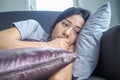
{"x": 64, "y": 34}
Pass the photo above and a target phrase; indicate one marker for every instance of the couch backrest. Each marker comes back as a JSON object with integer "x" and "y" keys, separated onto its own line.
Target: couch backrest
{"x": 45, "y": 18}
{"x": 109, "y": 62}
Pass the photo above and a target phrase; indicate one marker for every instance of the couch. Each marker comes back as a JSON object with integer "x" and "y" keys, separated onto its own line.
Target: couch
{"x": 105, "y": 69}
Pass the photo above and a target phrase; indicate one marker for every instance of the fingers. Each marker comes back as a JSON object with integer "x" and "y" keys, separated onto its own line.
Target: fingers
{"x": 59, "y": 43}
{"x": 66, "y": 40}
{"x": 63, "y": 43}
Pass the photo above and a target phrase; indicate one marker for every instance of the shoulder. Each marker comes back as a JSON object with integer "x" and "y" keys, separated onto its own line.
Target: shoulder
{"x": 32, "y": 21}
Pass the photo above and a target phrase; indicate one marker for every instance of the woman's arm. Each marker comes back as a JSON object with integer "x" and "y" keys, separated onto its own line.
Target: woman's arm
{"x": 63, "y": 74}
{"x": 10, "y": 33}
{"x": 11, "y": 38}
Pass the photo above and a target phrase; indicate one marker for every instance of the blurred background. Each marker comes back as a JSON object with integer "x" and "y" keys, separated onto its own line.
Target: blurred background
{"x": 60, "y": 5}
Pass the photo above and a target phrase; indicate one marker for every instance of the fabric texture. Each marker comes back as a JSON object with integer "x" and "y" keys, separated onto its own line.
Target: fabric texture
{"x": 109, "y": 63}
{"x": 33, "y": 63}
{"x": 31, "y": 29}
{"x": 88, "y": 42}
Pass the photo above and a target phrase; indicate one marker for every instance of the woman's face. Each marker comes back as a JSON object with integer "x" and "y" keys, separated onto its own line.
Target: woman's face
{"x": 68, "y": 28}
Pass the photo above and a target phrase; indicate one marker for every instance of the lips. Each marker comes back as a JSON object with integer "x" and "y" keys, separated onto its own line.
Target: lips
{"x": 60, "y": 37}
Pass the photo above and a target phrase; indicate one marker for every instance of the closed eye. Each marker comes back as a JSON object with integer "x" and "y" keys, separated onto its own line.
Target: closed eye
{"x": 65, "y": 24}
{"x": 76, "y": 32}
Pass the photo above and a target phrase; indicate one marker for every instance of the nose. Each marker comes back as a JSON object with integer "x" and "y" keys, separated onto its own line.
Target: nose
{"x": 67, "y": 32}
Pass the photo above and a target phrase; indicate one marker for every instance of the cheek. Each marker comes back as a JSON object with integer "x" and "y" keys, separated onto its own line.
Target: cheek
{"x": 73, "y": 39}
{"x": 56, "y": 31}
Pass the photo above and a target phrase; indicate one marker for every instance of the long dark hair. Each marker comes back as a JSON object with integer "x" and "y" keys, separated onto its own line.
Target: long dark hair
{"x": 71, "y": 11}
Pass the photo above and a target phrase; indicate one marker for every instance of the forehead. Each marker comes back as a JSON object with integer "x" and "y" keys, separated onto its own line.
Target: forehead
{"x": 76, "y": 19}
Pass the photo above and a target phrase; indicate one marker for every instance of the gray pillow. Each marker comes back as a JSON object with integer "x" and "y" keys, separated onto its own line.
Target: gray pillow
{"x": 33, "y": 63}
{"x": 88, "y": 42}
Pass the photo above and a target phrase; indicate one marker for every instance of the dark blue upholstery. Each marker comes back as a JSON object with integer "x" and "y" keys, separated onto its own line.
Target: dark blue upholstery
{"x": 45, "y": 18}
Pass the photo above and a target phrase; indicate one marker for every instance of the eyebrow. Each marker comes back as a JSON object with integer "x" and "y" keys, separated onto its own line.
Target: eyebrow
{"x": 71, "y": 23}
{"x": 68, "y": 21}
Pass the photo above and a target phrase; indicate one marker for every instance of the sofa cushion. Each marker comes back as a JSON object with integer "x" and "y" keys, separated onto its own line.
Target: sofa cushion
{"x": 88, "y": 42}
{"x": 109, "y": 64}
{"x": 33, "y": 63}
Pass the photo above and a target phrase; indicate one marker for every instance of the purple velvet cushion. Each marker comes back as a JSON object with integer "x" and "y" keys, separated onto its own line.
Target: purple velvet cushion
{"x": 33, "y": 63}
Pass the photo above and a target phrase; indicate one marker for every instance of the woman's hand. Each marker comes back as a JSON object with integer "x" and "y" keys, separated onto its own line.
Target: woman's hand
{"x": 59, "y": 43}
